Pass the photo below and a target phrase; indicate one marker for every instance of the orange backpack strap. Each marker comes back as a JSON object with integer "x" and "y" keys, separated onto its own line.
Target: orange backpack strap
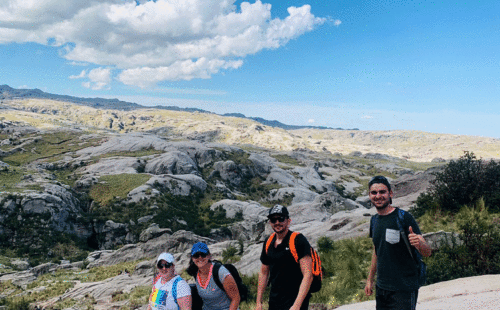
{"x": 316, "y": 261}
{"x": 269, "y": 241}
{"x": 291, "y": 245}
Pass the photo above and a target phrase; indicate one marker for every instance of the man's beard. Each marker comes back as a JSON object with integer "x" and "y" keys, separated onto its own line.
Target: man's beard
{"x": 385, "y": 205}
{"x": 280, "y": 229}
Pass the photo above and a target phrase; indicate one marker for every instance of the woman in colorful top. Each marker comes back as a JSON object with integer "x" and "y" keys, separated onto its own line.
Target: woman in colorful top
{"x": 214, "y": 298}
{"x": 170, "y": 291}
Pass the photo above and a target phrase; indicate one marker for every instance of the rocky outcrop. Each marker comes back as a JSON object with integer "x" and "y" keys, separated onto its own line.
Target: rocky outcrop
{"x": 114, "y": 234}
{"x": 173, "y": 162}
{"x": 254, "y": 217}
{"x": 113, "y": 165}
{"x": 230, "y": 172}
{"x": 42, "y": 214}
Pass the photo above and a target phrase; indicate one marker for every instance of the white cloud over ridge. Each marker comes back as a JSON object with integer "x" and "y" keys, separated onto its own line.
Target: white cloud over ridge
{"x": 153, "y": 41}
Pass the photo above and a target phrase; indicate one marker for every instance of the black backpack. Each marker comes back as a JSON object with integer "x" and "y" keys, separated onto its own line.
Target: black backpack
{"x": 242, "y": 288}
{"x": 196, "y": 301}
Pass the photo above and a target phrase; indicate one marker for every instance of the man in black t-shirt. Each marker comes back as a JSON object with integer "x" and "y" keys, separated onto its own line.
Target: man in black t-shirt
{"x": 397, "y": 274}
{"x": 290, "y": 281}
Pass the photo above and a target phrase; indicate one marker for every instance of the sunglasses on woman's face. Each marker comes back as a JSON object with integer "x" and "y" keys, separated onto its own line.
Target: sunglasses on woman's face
{"x": 199, "y": 254}
{"x": 164, "y": 265}
{"x": 281, "y": 219}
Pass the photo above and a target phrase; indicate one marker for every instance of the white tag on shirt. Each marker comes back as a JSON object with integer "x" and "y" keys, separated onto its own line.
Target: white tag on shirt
{"x": 392, "y": 236}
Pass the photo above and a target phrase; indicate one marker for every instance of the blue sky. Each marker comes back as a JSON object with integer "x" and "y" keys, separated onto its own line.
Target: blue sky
{"x": 374, "y": 65}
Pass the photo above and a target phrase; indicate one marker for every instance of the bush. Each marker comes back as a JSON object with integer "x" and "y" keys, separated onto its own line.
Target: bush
{"x": 462, "y": 183}
{"x": 478, "y": 253}
{"x": 229, "y": 255}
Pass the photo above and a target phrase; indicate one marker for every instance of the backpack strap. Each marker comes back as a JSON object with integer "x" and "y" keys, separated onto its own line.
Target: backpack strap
{"x": 291, "y": 245}
{"x": 269, "y": 241}
{"x": 374, "y": 222}
{"x": 399, "y": 220}
{"x": 316, "y": 264}
{"x": 215, "y": 275}
{"x": 174, "y": 289}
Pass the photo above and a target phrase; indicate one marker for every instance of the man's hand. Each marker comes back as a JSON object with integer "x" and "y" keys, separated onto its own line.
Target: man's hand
{"x": 369, "y": 288}
{"x": 414, "y": 238}
{"x": 419, "y": 243}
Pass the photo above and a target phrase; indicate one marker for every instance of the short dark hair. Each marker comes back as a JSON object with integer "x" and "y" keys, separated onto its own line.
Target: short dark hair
{"x": 379, "y": 179}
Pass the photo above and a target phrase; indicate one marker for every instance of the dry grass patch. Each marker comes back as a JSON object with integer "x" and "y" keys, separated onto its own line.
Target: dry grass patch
{"x": 118, "y": 185}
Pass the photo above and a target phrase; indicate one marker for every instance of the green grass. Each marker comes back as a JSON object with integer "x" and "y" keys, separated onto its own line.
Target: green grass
{"x": 49, "y": 145}
{"x": 287, "y": 159}
{"x": 52, "y": 289}
{"x": 118, "y": 185}
{"x": 346, "y": 264}
{"x": 10, "y": 178}
{"x": 140, "y": 153}
{"x": 66, "y": 176}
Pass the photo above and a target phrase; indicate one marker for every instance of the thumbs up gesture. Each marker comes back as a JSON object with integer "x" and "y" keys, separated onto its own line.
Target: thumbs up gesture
{"x": 414, "y": 238}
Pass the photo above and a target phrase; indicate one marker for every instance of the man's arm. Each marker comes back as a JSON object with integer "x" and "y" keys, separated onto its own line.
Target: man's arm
{"x": 371, "y": 275}
{"x": 263, "y": 278}
{"x": 306, "y": 268}
{"x": 419, "y": 243}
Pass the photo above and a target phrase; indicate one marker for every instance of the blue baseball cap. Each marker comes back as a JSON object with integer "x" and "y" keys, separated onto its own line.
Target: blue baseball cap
{"x": 199, "y": 247}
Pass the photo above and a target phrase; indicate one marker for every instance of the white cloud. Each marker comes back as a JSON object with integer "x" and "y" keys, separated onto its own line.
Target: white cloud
{"x": 99, "y": 78}
{"x": 337, "y": 22}
{"x": 157, "y": 40}
{"x": 80, "y": 76}
{"x": 310, "y": 121}
{"x": 367, "y": 117}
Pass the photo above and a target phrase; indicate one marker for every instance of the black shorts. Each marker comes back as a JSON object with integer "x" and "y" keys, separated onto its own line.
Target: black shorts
{"x": 396, "y": 300}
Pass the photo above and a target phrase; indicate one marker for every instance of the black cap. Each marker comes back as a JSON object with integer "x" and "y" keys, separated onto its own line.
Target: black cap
{"x": 278, "y": 210}
{"x": 379, "y": 179}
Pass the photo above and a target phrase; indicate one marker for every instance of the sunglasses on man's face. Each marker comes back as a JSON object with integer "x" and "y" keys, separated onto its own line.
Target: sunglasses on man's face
{"x": 280, "y": 219}
{"x": 199, "y": 254}
{"x": 164, "y": 265}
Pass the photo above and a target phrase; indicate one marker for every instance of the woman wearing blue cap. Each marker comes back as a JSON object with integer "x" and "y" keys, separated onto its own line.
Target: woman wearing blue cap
{"x": 170, "y": 291}
{"x": 214, "y": 298}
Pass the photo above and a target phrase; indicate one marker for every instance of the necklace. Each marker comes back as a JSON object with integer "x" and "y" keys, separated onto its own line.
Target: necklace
{"x": 207, "y": 280}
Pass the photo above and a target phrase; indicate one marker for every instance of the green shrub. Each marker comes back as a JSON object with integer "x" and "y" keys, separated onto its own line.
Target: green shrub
{"x": 230, "y": 255}
{"x": 477, "y": 254}
{"x": 325, "y": 245}
{"x": 462, "y": 183}
{"x": 18, "y": 305}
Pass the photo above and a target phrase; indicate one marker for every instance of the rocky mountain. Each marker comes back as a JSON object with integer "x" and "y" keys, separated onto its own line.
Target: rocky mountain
{"x": 85, "y": 188}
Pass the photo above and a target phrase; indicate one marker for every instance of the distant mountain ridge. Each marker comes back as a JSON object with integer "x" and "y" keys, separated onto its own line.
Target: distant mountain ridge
{"x": 275, "y": 123}
{"x": 9, "y": 93}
